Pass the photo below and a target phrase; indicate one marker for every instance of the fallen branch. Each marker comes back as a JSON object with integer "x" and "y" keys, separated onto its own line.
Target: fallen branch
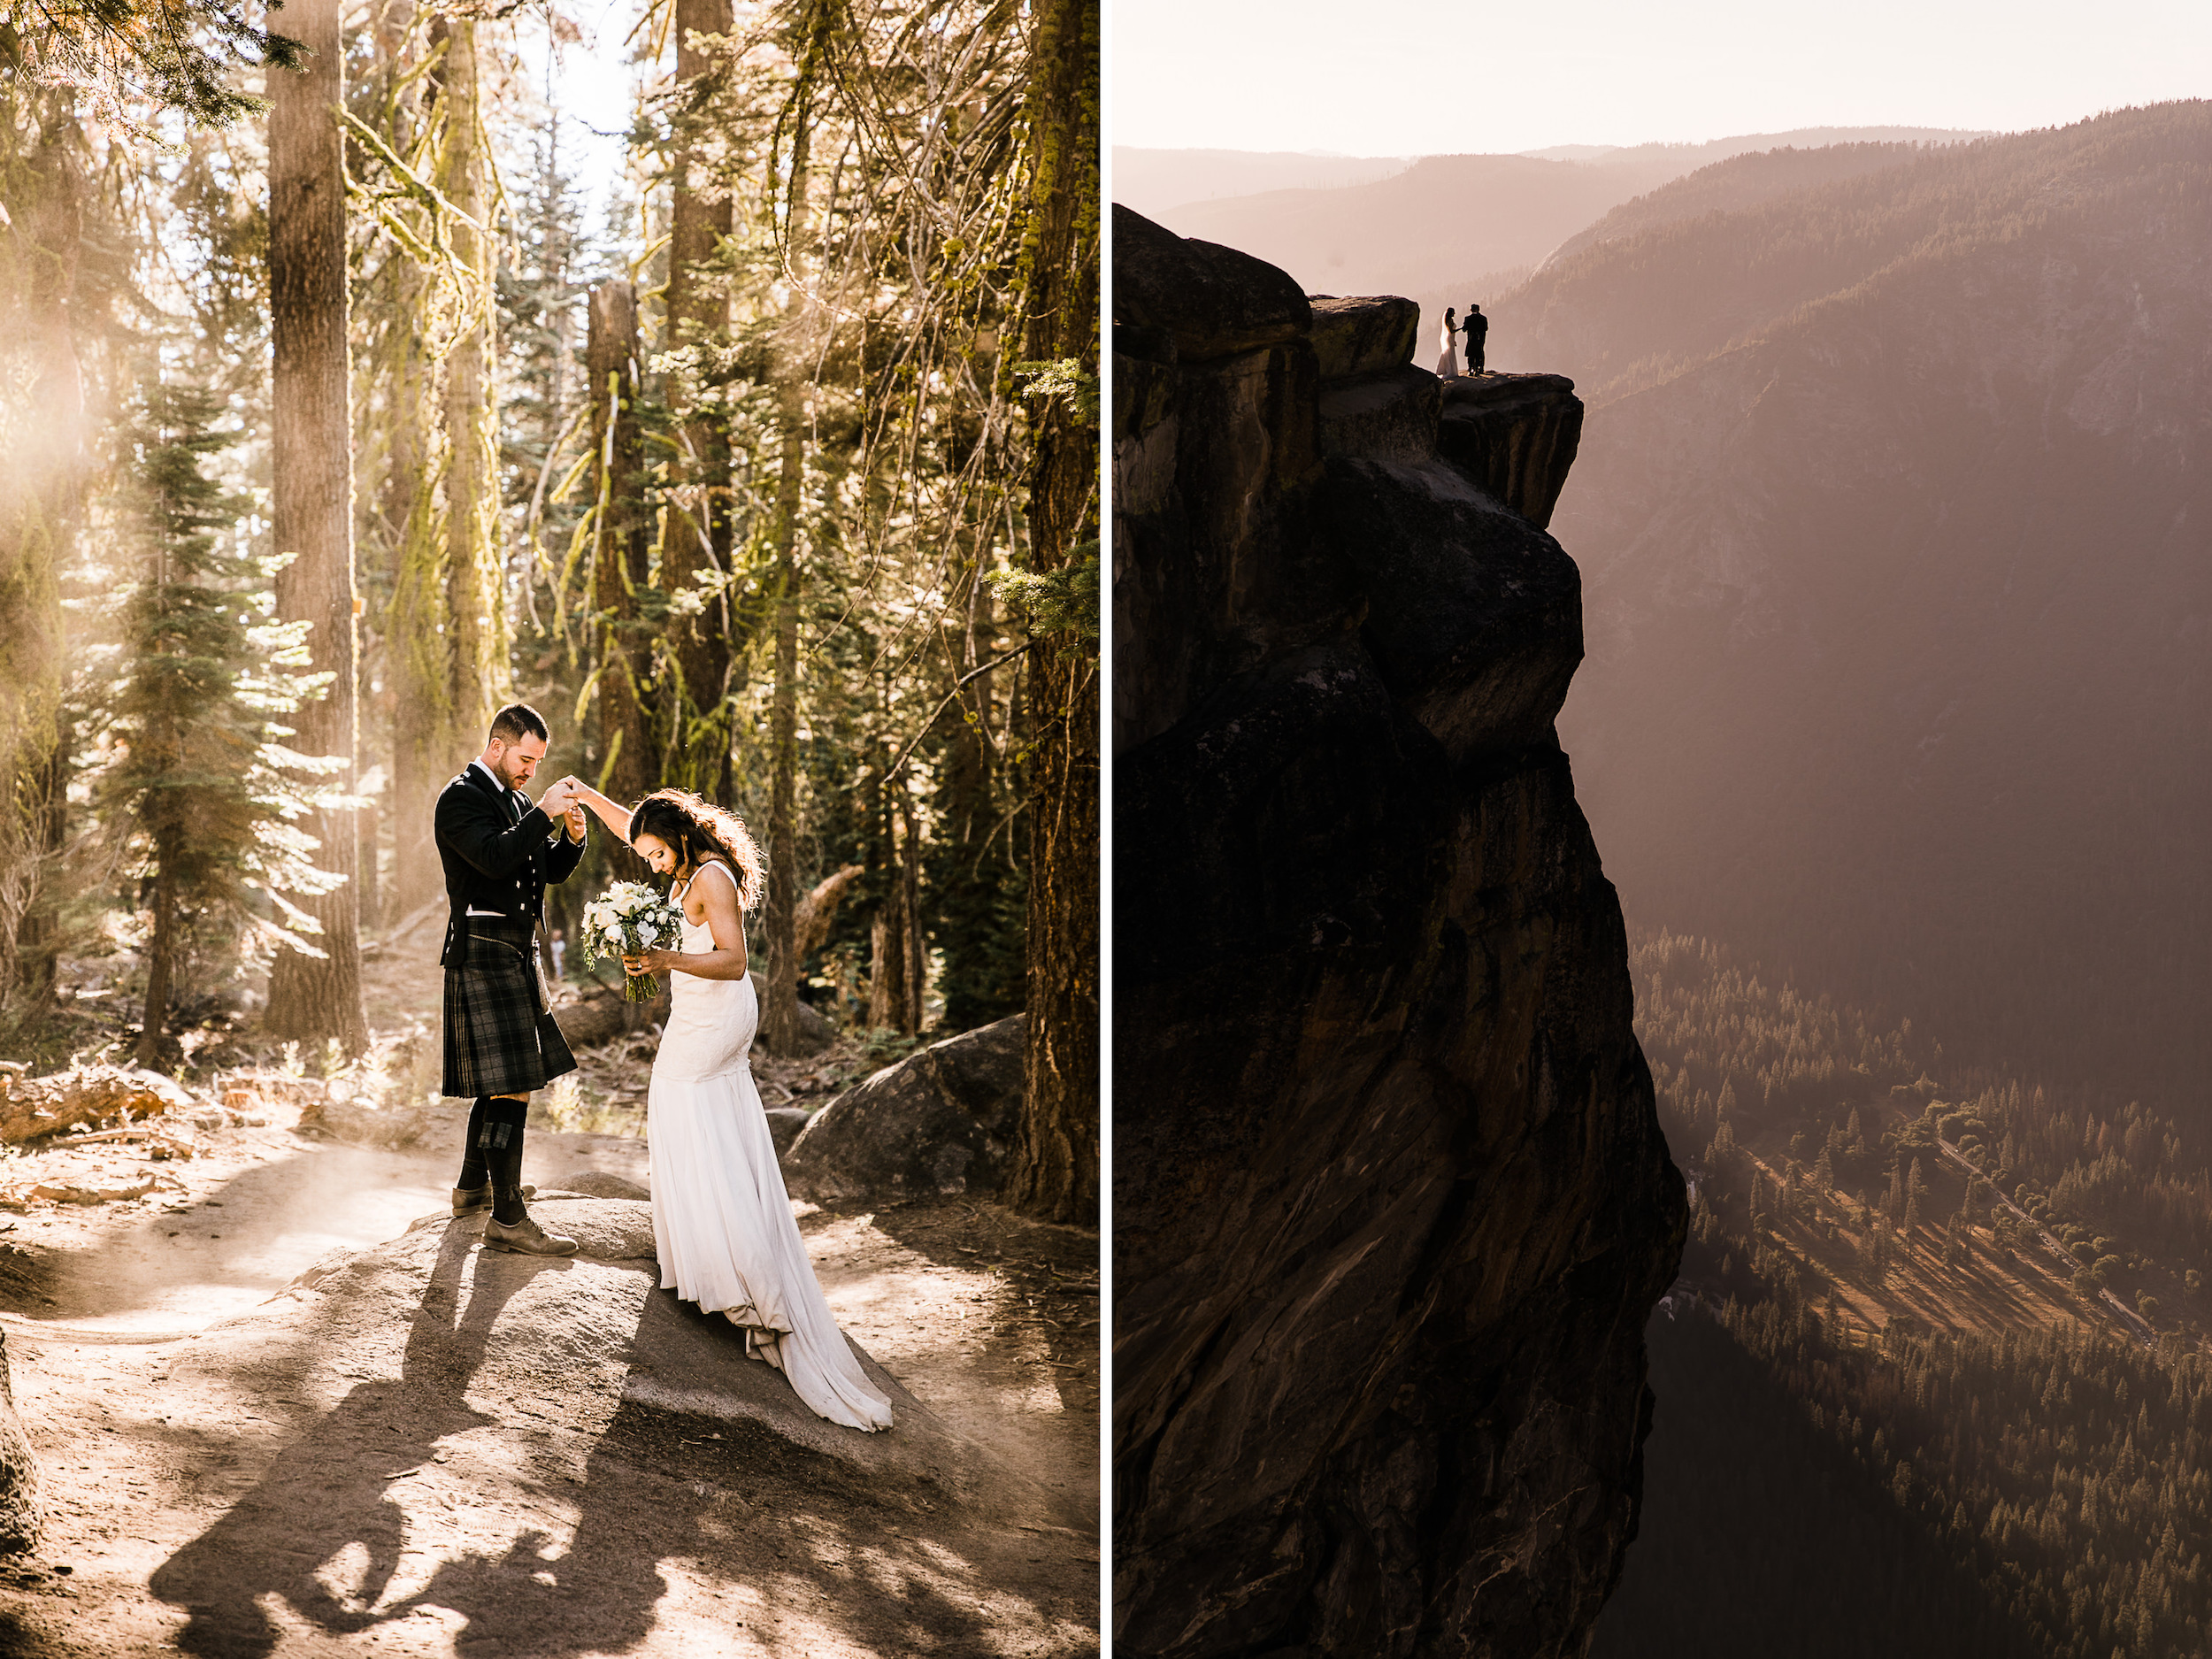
{"x": 135, "y": 1132}
{"x": 158, "y": 1141}
{"x": 20, "y": 1202}
{"x": 34, "y": 1109}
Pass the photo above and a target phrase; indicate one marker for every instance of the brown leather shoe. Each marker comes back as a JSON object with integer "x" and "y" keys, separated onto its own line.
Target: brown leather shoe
{"x": 526, "y": 1238}
{"x": 468, "y": 1198}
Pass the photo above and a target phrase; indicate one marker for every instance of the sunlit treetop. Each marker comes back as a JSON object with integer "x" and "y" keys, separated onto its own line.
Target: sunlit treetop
{"x": 123, "y": 56}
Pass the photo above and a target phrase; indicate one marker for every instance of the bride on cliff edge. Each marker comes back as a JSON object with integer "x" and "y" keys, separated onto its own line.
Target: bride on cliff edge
{"x": 722, "y": 1223}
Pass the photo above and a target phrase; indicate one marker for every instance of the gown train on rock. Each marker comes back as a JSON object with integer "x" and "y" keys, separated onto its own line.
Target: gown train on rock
{"x": 722, "y": 1221}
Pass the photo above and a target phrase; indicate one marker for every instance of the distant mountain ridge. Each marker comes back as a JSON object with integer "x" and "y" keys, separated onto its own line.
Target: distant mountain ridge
{"x": 1440, "y": 221}
{"x": 1894, "y": 518}
{"x": 1154, "y": 182}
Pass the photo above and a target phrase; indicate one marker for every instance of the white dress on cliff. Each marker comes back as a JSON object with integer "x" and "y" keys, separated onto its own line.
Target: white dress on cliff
{"x": 721, "y": 1220}
{"x": 1447, "y": 359}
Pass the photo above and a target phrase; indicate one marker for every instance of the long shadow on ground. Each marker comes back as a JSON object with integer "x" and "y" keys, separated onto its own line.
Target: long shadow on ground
{"x": 896, "y": 1545}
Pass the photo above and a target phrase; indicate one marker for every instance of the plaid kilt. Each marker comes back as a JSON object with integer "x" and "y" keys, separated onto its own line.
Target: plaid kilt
{"x": 500, "y": 1039}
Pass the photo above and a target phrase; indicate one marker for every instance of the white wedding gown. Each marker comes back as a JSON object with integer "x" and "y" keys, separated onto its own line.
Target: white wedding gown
{"x": 721, "y": 1219}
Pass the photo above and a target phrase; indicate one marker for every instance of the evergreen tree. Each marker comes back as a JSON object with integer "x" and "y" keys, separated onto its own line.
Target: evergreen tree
{"x": 211, "y": 793}
{"x": 118, "y": 55}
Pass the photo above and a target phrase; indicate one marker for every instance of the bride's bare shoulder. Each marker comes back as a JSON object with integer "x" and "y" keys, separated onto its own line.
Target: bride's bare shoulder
{"x": 699, "y": 895}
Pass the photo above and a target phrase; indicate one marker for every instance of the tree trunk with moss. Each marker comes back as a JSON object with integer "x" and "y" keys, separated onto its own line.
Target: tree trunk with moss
{"x": 1054, "y": 1172}
{"x": 623, "y": 656}
{"x": 414, "y": 650}
{"x": 447, "y": 636}
{"x": 779, "y": 1017}
{"x": 314, "y": 999}
{"x": 476, "y": 604}
{"x": 697, "y": 541}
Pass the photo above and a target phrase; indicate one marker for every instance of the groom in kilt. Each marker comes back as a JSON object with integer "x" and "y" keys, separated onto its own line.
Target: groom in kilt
{"x": 500, "y": 1040}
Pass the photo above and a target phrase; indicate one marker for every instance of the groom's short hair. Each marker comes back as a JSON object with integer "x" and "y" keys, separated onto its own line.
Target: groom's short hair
{"x": 516, "y": 721}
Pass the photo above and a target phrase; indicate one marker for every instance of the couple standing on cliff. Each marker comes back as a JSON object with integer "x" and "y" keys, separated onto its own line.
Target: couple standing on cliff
{"x": 1477, "y": 328}
{"x": 722, "y": 1227}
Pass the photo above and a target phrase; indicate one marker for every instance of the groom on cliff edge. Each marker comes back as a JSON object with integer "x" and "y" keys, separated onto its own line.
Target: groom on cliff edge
{"x": 500, "y": 1040}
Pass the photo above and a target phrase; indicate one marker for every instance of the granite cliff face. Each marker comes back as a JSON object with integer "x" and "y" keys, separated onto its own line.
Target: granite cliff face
{"x": 1391, "y": 1202}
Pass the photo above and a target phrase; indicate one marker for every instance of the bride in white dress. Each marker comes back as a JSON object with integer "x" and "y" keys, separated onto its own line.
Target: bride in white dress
{"x": 1447, "y": 359}
{"x": 722, "y": 1222}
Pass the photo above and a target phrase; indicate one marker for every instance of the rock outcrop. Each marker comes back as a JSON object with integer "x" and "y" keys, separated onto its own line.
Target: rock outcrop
{"x": 786, "y": 1124}
{"x": 1516, "y": 436}
{"x": 943, "y": 1120}
{"x": 604, "y": 1016}
{"x": 1391, "y": 1201}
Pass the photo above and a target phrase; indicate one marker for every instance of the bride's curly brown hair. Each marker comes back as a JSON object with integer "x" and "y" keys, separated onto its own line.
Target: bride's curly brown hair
{"x": 699, "y": 830}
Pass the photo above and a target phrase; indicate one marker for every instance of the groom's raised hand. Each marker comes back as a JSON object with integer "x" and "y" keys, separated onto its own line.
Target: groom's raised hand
{"x": 559, "y": 799}
{"x": 579, "y": 820}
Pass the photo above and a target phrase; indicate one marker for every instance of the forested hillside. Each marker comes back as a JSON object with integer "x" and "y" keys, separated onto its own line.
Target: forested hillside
{"x": 1932, "y": 1380}
{"x": 775, "y": 481}
{"x": 1891, "y": 511}
{"x": 1734, "y": 185}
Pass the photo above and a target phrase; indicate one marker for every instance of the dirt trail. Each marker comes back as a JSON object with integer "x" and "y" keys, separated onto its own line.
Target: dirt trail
{"x": 425, "y": 1452}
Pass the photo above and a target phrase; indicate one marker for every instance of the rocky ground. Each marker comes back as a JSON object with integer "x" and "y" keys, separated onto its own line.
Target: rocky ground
{"x": 284, "y": 1404}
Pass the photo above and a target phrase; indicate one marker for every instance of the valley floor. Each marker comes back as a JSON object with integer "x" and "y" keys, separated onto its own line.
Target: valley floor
{"x": 1990, "y": 1291}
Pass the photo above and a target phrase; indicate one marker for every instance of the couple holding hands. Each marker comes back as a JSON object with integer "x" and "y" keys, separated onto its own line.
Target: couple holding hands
{"x": 722, "y": 1223}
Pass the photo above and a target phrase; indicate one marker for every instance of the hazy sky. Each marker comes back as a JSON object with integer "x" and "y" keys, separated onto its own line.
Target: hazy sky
{"x": 590, "y": 85}
{"x": 1425, "y": 77}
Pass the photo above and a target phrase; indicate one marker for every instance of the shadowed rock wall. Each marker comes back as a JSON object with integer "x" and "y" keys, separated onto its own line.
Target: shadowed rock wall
{"x": 1390, "y": 1204}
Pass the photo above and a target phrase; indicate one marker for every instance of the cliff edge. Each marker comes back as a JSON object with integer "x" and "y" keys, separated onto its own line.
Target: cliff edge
{"x": 1391, "y": 1201}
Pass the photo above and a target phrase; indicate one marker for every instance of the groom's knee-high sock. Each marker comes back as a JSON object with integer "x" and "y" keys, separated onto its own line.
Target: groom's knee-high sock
{"x": 503, "y": 1120}
{"x": 475, "y": 1171}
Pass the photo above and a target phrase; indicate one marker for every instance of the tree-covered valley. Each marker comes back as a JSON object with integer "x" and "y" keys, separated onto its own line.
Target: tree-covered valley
{"x": 1934, "y": 1379}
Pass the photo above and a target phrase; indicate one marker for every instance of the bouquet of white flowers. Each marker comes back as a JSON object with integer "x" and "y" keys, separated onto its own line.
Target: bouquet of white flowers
{"x": 628, "y": 919}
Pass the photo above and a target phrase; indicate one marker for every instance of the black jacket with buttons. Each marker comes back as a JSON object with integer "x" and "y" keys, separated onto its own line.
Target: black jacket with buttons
{"x": 499, "y": 852}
